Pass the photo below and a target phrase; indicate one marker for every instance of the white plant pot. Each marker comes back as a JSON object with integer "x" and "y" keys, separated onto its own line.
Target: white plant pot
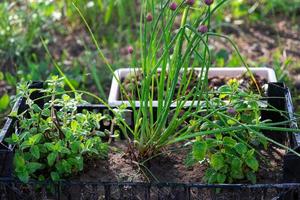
{"x": 120, "y": 74}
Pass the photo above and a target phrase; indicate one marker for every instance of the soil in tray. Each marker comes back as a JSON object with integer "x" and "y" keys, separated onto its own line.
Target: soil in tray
{"x": 169, "y": 167}
{"x": 133, "y": 83}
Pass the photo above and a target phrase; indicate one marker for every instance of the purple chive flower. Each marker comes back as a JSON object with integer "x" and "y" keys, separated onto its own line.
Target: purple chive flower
{"x": 231, "y": 111}
{"x": 130, "y": 50}
{"x": 149, "y": 17}
{"x": 173, "y": 6}
{"x": 202, "y": 29}
{"x": 190, "y": 2}
{"x": 208, "y": 2}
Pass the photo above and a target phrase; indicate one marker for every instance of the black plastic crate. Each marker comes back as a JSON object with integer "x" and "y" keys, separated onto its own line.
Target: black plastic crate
{"x": 12, "y": 189}
{"x": 278, "y": 96}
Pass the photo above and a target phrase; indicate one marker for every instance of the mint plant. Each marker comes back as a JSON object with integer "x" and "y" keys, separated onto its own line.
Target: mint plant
{"x": 54, "y": 141}
{"x": 231, "y": 156}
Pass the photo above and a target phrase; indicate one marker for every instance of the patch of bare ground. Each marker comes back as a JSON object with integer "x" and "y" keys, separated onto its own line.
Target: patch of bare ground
{"x": 169, "y": 167}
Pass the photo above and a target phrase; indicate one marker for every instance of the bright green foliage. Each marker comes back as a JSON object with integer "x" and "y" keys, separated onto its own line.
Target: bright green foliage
{"x": 167, "y": 59}
{"x": 199, "y": 150}
{"x": 20, "y": 30}
{"x": 4, "y": 102}
{"x": 231, "y": 155}
{"x": 54, "y": 143}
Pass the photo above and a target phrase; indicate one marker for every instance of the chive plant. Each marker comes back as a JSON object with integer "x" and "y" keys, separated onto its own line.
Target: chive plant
{"x": 161, "y": 67}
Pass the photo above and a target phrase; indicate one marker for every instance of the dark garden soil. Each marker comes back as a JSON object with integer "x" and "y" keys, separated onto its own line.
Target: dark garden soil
{"x": 167, "y": 167}
{"x": 170, "y": 167}
{"x": 133, "y": 83}
{"x": 245, "y": 82}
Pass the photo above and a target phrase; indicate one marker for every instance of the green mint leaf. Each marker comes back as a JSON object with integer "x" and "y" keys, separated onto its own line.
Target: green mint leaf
{"x": 4, "y": 102}
{"x": 221, "y": 178}
{"x": 199, "y": 150}
{"x": 241, "y": 148}
{"x": 252, "y": 163}
{"x": 55, "y": 176}
{"x": 217, "y": 161}
{"x": 23, "y": 176}
{"x": 35, "y": 151}
{"x": 33, "y": 166}
{"x": 51, "y": 158}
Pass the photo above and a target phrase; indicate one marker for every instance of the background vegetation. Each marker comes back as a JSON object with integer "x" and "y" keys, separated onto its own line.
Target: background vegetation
{"x": 266, "y": 31}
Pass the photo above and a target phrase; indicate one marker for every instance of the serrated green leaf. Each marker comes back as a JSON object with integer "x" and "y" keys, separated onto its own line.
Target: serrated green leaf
{"x": 236, "y": 163}
{"x": 250, "y": 153}
{"x": 55, "y": 176}
{"x": 9, "y": 140}
{"x": 65, "y": 150}
{"x": 237, "y": 174}
{"x": 11, "y": 80}
{"x": 36, "y": 108}
{"x": 229, "y": 141}
{"x": 35, "y": 139}
{"x": 51, "y": 158}
{"x": 213, "y": 178}
{"x": 23, "y": 176}
{"x": 252, "y": 163}
{"x": 15, "y": 138}
{"x": 217, "y": 161}
{"x": 79, "y": 163}
{"x": 33, "y": 166}
{"x": 25, "y": 145}
{"x": 66, "y": 166}
{"x": 221, "y": 178}
{"x": 199, "y": 150}
{"x": 66, "y": 97}
{"x": 219, "y": 136}
{"x": 241, "y": 148}
{"x": 75, "y": 147}
{"x": 19, "y": 161}
{"x": 254, "y": 105}
{"x": 4, "y": 102}
{"x": 59, "y": 167}
{"x": 74, "y": 125}
{"x": 224, "y": 90}
{"x": 41, "y": 178}
{"x": 46, "y": 112}
{"x": 35, "y": 151}
{"x": 231, "y": 122}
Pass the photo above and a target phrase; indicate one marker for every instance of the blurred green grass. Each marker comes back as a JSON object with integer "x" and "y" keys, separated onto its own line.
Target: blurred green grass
{"x": 115, "y": 24}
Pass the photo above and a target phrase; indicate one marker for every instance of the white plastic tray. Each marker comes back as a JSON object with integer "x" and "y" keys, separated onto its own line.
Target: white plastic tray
{"x": 114, "y": 99}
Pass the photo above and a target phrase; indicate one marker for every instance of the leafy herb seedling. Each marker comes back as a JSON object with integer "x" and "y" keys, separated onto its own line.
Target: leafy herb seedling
{"x": 55, "y": 140}
{"x": 231, "y": 155}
